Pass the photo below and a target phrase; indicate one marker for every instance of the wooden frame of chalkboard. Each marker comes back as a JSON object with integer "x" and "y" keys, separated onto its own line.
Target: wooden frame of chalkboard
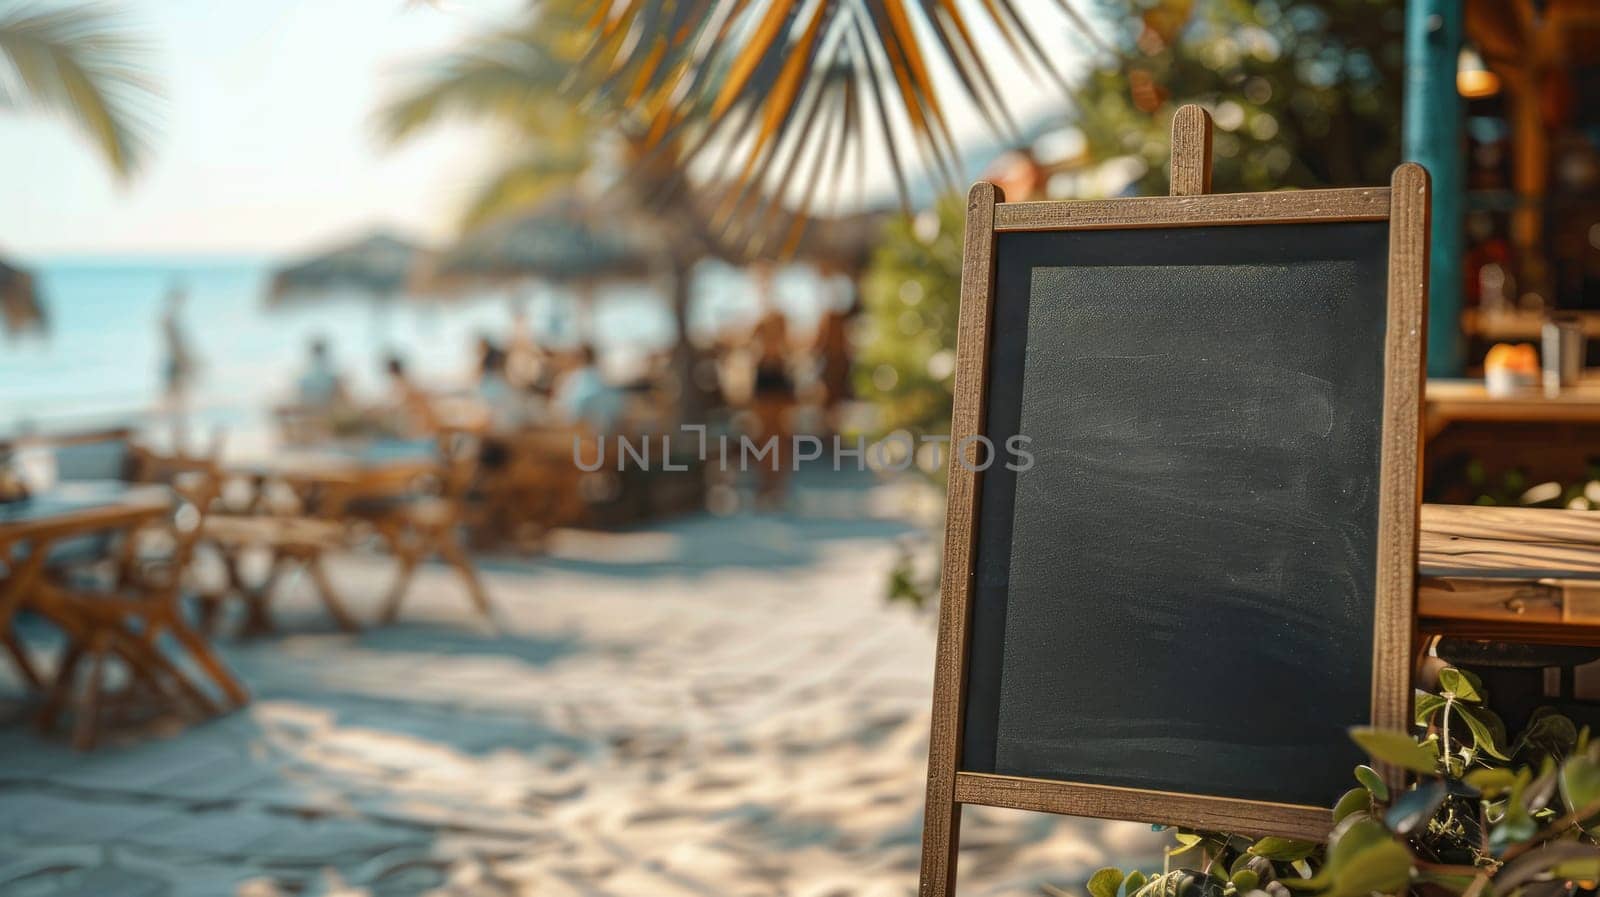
{"x": 1403, "y": 206}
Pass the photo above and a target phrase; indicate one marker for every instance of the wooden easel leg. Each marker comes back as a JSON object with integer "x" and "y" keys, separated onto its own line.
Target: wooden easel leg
{"x": 941, "y": 839}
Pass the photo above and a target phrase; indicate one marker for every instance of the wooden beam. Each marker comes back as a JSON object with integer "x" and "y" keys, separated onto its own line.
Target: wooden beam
{"x": 1104, "y": 801}
{"x": 1287, "y": 206}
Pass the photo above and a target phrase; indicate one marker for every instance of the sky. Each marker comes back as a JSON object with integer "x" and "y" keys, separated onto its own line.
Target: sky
{"x": 265, "y": 141}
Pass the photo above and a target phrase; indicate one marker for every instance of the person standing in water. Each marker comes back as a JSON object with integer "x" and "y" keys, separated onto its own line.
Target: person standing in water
{"x": 179, "y": 364}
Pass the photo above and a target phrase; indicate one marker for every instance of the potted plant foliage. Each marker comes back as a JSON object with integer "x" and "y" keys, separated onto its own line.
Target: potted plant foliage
{"x": 1487, "y": 816}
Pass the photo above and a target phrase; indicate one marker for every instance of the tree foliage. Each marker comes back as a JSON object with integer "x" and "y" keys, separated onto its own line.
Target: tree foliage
{"x": 906, "y": 362}
{"x": 78, "y": 62}
{"x": 768, "y": 86}
{"x": 515, "y": 79}
{"x": 1304, "y": 93}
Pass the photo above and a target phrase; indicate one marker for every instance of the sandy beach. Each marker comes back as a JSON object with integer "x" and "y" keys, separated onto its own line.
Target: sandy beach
{"x": 710, "y": 706}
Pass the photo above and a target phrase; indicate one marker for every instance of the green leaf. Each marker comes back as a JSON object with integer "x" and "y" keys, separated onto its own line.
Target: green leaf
{"x": 1186, "y": 841}
{"x": 1482, "y": 737}
{"x": 1543, "y": 861}
{"x": 1382, "y": 868}
{"x": 1282, "y": 850}
{"x": 1351, "y": 837}
{"x": 1363, "y": 856}
{"x": 1245, "y": 881}
{"x": 1583, "y": 870}
{"x": 1426, "y": 705}
{"x": 1356, "y": 800}
{"x": 1261, "y": 866}
{"x": 1460, "y": 685}
{"x": 1373, "y": 782}
{"x": 1413, "y": 809}
{"x": 1105, "y": 882}
{"x": 1396, "y": 747}
{"x": 1133, "y": 883}
{"x": 1517, "y": 825}
{"x": 1493, "y": 781}
{"x": 1548, "y": 733}
{"x": 79, "y": 61}
{"x": 1455, "y": 884}
{"x": 1580, "y": 783}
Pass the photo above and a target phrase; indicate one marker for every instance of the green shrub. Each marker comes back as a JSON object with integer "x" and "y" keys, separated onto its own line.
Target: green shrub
{"x": 1485, "y": 817}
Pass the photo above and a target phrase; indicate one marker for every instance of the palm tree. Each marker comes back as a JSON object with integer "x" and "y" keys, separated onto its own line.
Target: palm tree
{"x": 76, "y": 61}
{"x": 522, "y": 79}
{"x": 790, "y": 81}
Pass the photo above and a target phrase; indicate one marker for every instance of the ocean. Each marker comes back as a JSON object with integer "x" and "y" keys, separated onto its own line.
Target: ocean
{"x": 100, "y": 360}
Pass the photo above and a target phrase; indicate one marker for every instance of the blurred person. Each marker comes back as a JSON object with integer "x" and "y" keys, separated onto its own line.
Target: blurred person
{"x": 526, "y": 364}
{"x": 833, "y": 354}
{"x": 180, "y": 365}
{"x": 413, "y": 403}
{"x": 320, "y": 386}
{"x": 508, "y": 407}
{"x": 482, "y": 346}
{"x": 772, "y": 395}
{"x": 583, "y": 397}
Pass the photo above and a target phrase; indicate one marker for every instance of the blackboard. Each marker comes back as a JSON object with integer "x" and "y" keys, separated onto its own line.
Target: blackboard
{"x": 1181, "y": 522}
{"x": 1179, "y": 593}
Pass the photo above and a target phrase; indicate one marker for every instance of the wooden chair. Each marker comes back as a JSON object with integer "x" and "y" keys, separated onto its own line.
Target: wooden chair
{"x": 97, "y": 454}
{"x": 417, "y": 521}
{"x": 127, "y": 619}
{"x": 303, "y": 425}
{"x": 533, "y": 487}
{"x": 290, "y": 541}
{"x": 80, "y": 456}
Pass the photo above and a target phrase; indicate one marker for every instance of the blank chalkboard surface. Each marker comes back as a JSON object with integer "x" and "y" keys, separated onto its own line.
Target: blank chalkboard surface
{"x": 1185, "y": 564}
{"x": 1178, "y": 594}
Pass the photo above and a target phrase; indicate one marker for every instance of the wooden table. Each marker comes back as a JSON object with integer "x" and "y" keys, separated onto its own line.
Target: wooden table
{"x": 1475, "y": 443}
{"x": 324, "y": 482}
{"x": 379, "y": 483}
{"x": 1458, "y": 401}
{"x": 29, "y": 529}
{"x": 1510, "y": 574}
{"x": 347, "y": 470}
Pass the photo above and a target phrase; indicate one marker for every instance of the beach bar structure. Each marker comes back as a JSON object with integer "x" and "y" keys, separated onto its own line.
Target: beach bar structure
{"x": 1502, "y": 107}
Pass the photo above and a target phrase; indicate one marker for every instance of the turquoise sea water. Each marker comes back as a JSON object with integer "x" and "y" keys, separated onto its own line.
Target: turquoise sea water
{"x": 101, "y": 358}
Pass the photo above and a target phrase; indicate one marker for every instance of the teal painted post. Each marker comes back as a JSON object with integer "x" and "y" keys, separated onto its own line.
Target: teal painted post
{"x": 1431, "y": 134}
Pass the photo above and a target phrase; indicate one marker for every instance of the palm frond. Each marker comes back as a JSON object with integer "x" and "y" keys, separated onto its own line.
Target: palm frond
{"x": 78, "y": 62}
{"x": 782, "y": 78}
{"x": 505, "y": 75}
{"x": 521, "y": 183}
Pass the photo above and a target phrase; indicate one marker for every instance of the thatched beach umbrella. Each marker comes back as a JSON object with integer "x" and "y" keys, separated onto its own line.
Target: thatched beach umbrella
{"x": 20, "y": 308}
{"x": 378, "y": 265}
{"x": 565, "y": 239}
{"x": 568, "y": 240}
{"x": 843, "y": 243}
{"x": 767, "y": 231}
